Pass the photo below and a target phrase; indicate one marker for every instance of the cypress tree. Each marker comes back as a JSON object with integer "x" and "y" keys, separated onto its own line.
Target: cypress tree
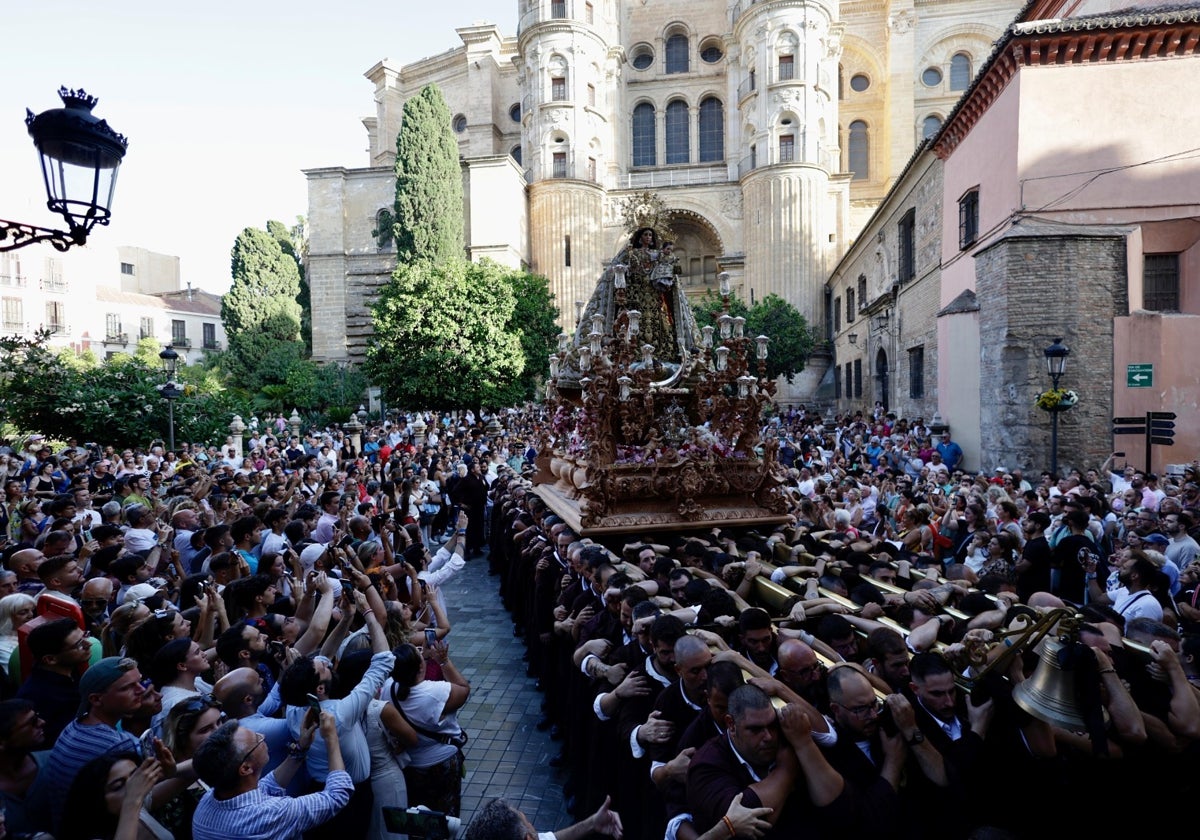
{"x": 428, "y": 220}
{"x": 260, "y": 309}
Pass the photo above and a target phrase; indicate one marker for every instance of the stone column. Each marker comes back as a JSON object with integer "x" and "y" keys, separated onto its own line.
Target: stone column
{"x": 236, "y": 428}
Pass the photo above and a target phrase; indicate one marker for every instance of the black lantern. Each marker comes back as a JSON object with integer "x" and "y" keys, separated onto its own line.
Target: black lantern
{"x": 1056, "y": 362}
{"x": 80, "y": 157}
{"x": 170, "y": 389}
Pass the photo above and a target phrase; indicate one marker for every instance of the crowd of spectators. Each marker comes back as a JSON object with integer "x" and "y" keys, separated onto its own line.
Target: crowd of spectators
{"x": 207, "y": 643}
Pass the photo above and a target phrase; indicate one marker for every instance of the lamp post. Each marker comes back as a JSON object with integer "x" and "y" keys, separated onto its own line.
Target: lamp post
{"x": 80, "y": 156}
{"x": 1056, "y": 362}
{"x": 170, "y": 390}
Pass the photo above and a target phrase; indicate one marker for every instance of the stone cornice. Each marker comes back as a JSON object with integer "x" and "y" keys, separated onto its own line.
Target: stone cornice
{"x": 1151, "y": 34}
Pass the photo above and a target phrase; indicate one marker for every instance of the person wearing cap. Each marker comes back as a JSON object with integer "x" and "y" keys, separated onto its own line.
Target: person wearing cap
{"x": 110, "y": 690}
{"x": 100, "y": 481}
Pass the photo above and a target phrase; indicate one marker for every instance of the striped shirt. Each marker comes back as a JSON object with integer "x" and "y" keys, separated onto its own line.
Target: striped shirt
{"x": 268, "y": 813}
{"x": 76, "y": 746}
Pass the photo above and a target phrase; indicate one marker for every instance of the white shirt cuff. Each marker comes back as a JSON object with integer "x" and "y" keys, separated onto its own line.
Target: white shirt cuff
{"x": 634, "y": 746}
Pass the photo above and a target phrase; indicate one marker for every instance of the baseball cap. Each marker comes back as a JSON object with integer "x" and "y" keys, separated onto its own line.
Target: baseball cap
{"x": 310, "y": 556}
{"x": 98, "y": 678}
{"x": 1155, "y": 539}
{"x": 139, "y": 592}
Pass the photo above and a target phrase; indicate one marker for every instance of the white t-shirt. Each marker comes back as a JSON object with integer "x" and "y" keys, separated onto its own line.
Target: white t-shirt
{"x": 1141, "y": 604}
{"x": 423, "y": 707}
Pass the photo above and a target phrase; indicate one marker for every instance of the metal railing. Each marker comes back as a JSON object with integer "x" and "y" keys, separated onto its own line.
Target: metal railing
{"x": 747, "y": 87}
{"x": 56, "y": 284}
{"x": 554, "y": 10}
{"x": 16, "y": 280}
{"x": 116, "y": 338}
{"x": 180, "y": 341}
{"x": 677, "y": 177}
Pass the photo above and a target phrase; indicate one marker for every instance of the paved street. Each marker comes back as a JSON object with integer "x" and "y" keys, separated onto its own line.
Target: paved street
{"x": 506, "y": 755}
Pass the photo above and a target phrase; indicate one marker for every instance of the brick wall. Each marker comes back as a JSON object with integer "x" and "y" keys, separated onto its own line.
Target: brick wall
{"x": 1033, "y": 289}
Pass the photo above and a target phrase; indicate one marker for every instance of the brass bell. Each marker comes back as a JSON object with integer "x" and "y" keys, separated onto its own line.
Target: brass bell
{"x": 1049, "y": 694}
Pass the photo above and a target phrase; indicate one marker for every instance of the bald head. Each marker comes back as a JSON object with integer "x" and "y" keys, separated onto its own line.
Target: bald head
{"x": 99, "y": 587}
{"x": 797, "y": 664}
{"x": 26, "y": 561}
{"x": 240, "y": 689}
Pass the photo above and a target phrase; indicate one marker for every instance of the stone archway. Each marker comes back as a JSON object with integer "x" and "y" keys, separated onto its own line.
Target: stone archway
{"x": 699, "y": 248}
{"x": 882, "y": 382}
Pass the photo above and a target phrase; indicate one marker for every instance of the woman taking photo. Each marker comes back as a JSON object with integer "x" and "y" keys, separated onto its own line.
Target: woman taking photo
{"x": 434, "y": 773}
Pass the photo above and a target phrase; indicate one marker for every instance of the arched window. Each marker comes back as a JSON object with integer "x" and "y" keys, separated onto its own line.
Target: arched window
{"x": 558, "y": 79}
{"x": 643, "y": 135}
{"x": 960, "y": 71}
{"x": 515, "y": 153}
{"x": 677, "y": 132}
{"x": 930, "y": 127}
{"x": 677, "y": 54}
{"x": 712, "y": 130}
{"x": 858, "y": 156}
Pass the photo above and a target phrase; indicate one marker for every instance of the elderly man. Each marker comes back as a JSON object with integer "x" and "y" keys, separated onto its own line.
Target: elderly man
{"x": 25, "y": 563}
{"x": 96, "y": 598}
{"x": 244, "y": 804}
{"x": 762, "y": 757}
{"x": 873, "y": 759}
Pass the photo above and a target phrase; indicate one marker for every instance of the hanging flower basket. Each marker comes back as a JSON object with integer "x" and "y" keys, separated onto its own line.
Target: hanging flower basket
{"x": 1056, "y": 399}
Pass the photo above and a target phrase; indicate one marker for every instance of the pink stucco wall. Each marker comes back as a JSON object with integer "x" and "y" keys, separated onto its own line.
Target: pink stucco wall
{"x": 1168, "y": 342}
{"x": 1095, "y": 144}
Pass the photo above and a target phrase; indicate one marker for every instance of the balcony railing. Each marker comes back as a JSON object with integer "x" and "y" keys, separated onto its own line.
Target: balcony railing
{"x": 116, "y": 338}
{"x": 14, "y": 326}
{"x": 54, "y": 284}
{"x": 542, "y": 11}
{"x": 19, "y": 281}
{"x": 180, "y": 341}
{"x": 677, "y": 177}
{"x": 212, "y": 345}
{"x": 747, "y": 87}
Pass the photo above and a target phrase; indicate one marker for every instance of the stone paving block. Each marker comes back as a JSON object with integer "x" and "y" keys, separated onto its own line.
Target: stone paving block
{"x": 506, "y": 755}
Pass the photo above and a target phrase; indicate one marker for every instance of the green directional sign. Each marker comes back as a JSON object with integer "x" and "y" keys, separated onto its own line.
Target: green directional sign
{"x": 1139, "y": 376}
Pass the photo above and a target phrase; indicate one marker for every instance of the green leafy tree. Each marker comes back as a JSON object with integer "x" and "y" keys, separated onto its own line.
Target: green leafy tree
{"x": 294, "y": 242}
{"x": 709, "y": 307}
{"x": 427, "y": 220}
{"x": 791, "y": 336}
{"x": 260, "y": 309}
{"x": 115, "y": 402}
{"x": 533, "y": 322}
{"x": 442, "y": 335}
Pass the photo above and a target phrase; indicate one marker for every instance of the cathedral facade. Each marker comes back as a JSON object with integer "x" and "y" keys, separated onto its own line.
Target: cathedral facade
{"x": 770, "y": 129}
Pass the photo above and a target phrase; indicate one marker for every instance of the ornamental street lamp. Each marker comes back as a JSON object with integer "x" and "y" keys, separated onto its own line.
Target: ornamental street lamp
{"x": 1056, "y": 362}
{"x": 170, "y": 390}
{"x": 80, "y": 156}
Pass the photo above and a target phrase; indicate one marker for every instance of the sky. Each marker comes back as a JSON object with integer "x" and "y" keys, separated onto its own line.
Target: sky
{"x": 223, "y": 103}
